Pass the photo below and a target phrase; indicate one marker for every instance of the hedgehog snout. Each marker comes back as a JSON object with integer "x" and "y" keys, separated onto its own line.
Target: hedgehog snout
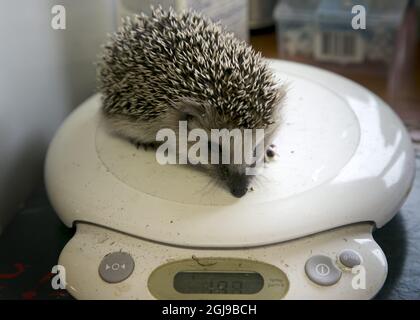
{"x": 238, "y": 184}
{"x": 238, "y": 191}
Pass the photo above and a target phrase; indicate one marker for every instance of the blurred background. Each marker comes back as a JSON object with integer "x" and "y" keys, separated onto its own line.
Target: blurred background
{"x": 45, "y": 73}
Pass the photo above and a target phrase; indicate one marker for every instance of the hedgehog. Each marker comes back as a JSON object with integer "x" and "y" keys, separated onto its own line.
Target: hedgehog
{"x": 168, "y": 67}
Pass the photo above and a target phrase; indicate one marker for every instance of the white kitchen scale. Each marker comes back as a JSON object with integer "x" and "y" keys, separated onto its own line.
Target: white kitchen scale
{"x": 345, "y": 164}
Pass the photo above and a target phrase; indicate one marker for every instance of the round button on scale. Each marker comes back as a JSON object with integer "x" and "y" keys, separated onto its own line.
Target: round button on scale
{"x": 321, "y": 270}
{"x": 349, "y": 258}
{"x": 116, "y": 267}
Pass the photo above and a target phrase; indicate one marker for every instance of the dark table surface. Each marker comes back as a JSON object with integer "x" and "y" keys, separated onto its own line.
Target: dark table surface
{"x": 31, "y": 244}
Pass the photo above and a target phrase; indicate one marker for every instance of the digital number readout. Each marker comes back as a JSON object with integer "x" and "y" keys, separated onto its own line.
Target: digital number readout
{"x": 199, "y": 282}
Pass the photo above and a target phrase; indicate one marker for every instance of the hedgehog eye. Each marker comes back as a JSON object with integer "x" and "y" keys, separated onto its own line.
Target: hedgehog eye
{"x": 224, "y": 171}
{"x": 214, "y": 146}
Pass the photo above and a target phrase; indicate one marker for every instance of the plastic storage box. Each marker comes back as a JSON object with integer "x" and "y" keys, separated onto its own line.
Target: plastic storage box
{"x": 321, "y": 31}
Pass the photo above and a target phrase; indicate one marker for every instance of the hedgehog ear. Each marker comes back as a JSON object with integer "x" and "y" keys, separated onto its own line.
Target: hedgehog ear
{"x": 189, "y": 107}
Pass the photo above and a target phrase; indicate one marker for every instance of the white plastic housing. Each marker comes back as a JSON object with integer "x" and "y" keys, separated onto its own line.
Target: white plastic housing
{"x": 85, "y": 251}
{"x": 344, "y": 157}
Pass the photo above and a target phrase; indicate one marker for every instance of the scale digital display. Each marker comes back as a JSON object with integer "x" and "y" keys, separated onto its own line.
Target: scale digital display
{"x": 206, "y": 282}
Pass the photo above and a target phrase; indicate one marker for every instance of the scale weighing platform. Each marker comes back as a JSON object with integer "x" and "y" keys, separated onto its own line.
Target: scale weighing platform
{"x": 345, "y": 165}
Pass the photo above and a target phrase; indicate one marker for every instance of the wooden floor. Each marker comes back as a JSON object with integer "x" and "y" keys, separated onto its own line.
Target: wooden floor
{"x": 400, "y": 87}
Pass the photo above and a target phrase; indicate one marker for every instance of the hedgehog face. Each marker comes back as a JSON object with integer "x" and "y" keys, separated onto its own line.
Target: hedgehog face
{"x": 235, "y": 178}
{"x": 230, "y": 170}
{"x": 233, "y": 154}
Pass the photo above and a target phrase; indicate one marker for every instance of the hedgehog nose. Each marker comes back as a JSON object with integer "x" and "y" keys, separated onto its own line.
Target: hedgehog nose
{"x": 238, "y": 184}
{"x": 238, "y": 192}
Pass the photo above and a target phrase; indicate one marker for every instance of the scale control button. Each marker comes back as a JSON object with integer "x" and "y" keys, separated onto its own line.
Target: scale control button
{"x": 322, "y": 271}
{"x": 116, "y": 267}
{"x": 349, "y": 258}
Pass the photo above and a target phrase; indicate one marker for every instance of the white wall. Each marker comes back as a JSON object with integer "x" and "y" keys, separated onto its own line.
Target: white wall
{"x": 44, "y": 74}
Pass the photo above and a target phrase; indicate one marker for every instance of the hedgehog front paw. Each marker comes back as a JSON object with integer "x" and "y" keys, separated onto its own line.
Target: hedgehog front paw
{"x": 145, "y": 146}
{"x": 149, "y": 146}
{"x": 270, "y": 153}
